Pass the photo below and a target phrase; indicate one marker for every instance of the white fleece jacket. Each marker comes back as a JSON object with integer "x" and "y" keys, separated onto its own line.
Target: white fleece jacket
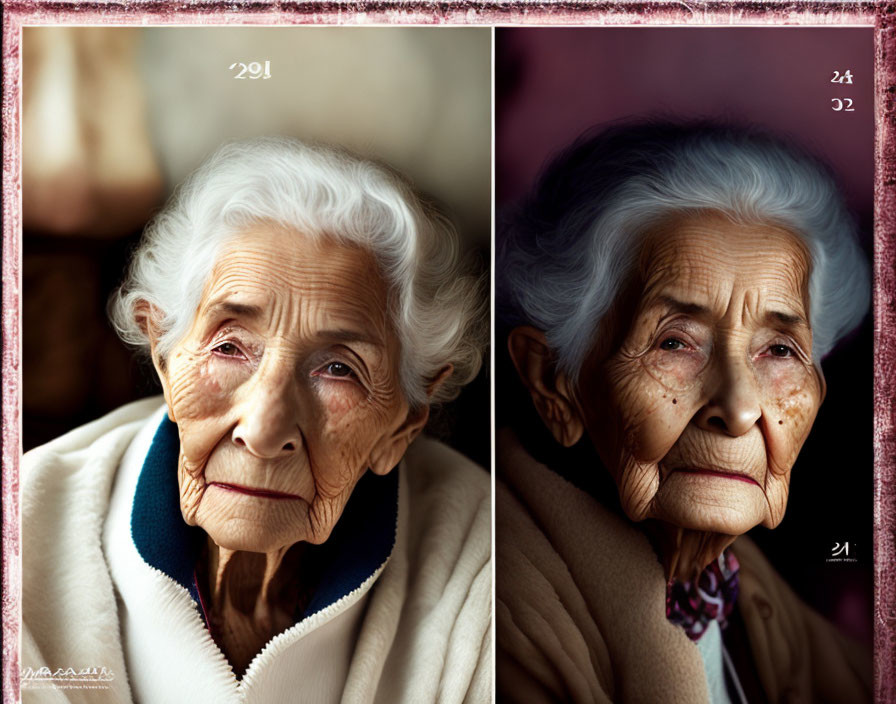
{"x": 415, "y": 629}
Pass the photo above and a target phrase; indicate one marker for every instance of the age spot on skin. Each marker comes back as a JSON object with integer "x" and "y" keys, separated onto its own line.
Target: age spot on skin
{"x": 674, "y": 400}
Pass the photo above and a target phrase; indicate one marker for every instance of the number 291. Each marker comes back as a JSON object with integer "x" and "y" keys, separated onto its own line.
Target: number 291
{"x": 253, "y": 69}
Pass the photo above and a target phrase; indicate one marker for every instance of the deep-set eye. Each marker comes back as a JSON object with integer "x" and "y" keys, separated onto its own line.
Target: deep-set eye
{"x": 781, "y": 351}
{"x": 672, "y": 344}
{"x": 338, "y": 369}
{"x": 228, "y": 349}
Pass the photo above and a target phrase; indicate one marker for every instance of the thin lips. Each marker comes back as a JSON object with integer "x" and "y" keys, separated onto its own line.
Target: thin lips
{"x": 264, "y": 493}
{"x": 717, "y": 472}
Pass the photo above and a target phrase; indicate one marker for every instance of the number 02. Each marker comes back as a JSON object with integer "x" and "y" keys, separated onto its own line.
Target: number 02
{"x": 842, "y": 104}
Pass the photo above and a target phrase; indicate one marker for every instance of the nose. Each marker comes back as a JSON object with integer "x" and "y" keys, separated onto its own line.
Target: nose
{"x": 733, "y": 405}
{"x": 268, "y": 417}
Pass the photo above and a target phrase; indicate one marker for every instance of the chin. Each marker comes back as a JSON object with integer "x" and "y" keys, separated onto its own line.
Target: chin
{"x": 248, "y": 527}
{"x": 248, "y": 537}
{"x": 710, "y": 505}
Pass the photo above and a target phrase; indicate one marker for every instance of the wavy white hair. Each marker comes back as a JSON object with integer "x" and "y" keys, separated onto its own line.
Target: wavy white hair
{"x": 566, "y": 252}
{"x": 318, "y": 191}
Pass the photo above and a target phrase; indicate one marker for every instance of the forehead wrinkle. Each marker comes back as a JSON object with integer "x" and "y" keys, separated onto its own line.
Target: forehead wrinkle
{"x": 775, "y": 306}
{"x": 350, "y": 300}
{"x": 701, "y": 263}
{"x": 699, "y": 296}
{"x": 341, "y": 317}
{"x": 258, "y": 263}
{"x": 695, "y": 280}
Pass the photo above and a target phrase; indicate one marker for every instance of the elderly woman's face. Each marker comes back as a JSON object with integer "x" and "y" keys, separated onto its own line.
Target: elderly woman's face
{"x": 702, "y": 410}
{"x": 285, "y": 391}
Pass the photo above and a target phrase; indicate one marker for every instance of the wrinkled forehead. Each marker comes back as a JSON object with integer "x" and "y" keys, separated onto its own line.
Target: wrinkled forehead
{"x": 276, "y": 274}
{"x": 710, "y": 259}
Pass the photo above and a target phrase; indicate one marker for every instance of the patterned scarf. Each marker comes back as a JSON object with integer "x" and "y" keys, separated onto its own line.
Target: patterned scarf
{"x": 693, "y": 605}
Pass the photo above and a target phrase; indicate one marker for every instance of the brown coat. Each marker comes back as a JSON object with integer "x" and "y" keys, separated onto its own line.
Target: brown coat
{"x": 580, "y": 606}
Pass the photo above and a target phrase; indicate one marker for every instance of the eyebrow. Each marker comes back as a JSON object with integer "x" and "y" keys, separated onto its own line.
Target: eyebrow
{"x": 697, "y": 310}
{"x": 241, "y": 310}
{"x": 687, "y": 308}
{"x": 787, "y": 318}
{"x": 348, "y": 335}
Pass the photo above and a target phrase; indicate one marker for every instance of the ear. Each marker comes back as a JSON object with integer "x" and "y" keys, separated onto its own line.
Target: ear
{"x": 550, "y": 389}
{"x": 439, "y": 379}
{"x": 147, "y": 319}
{"x": 392, "y": 449}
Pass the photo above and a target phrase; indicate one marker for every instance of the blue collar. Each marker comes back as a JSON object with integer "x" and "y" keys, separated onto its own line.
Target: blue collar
{"x": 361, "y": 541}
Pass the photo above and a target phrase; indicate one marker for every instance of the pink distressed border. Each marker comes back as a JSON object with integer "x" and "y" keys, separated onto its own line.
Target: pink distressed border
{"x": 882, "y": 16}
{"x": 885, "y": 357}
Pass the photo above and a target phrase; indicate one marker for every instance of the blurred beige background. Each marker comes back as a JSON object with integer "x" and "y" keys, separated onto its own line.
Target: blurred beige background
{"x": 114, "y": 118}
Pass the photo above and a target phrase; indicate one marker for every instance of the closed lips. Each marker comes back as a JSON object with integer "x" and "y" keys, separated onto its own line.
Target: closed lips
{"x": 717, "y": 473}
{"x": 263, "y": 493}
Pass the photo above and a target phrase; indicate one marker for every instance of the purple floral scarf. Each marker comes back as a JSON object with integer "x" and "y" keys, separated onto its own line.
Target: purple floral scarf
{"x": 711, "y": 597}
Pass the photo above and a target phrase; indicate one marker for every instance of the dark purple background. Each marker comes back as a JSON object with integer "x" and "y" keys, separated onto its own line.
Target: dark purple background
{"x": 553, "y": 83}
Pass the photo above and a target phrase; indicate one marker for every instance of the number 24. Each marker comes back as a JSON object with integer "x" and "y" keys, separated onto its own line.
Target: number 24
{"x": 845, "y": 78}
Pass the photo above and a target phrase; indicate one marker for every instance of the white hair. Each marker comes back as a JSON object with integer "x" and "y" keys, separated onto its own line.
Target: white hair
{"x": 567, "y": 251}
{"x": 437, "y": 312}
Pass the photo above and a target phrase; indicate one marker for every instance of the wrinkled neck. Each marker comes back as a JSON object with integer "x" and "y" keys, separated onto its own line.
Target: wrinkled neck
{"x": 242, "y": 577}
{"x": 252, "y": 597}
{"x": 685, "y": 553}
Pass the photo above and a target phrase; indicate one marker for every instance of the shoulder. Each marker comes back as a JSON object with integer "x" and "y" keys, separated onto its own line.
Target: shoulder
{"x": 433, "y": 468}
{"x": 85, "y": 459}
{"x": 69, "y": 611}
{"x": 449, "y": 499}
{"x": 441, "y": 573}
{"x": 586, "y": 599}
{"x": 448, "y": 504}
{"x": 550, "y": 646}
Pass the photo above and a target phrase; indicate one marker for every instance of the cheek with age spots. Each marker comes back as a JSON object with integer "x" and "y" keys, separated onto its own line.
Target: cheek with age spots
{"x": 795, "y": 405}
{"x": 191, "y": 386}
{"x": 208, "y": 387}
{"x": 198, "y": 394}
{"x": 674, "y": 371}
{"x": 646, "y": 414}
{"x": 794, "y": 398}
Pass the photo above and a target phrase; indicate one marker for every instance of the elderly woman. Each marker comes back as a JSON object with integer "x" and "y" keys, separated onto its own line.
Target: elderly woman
{"x": 669, "y": 291}
{"x": 275, "y": 530}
